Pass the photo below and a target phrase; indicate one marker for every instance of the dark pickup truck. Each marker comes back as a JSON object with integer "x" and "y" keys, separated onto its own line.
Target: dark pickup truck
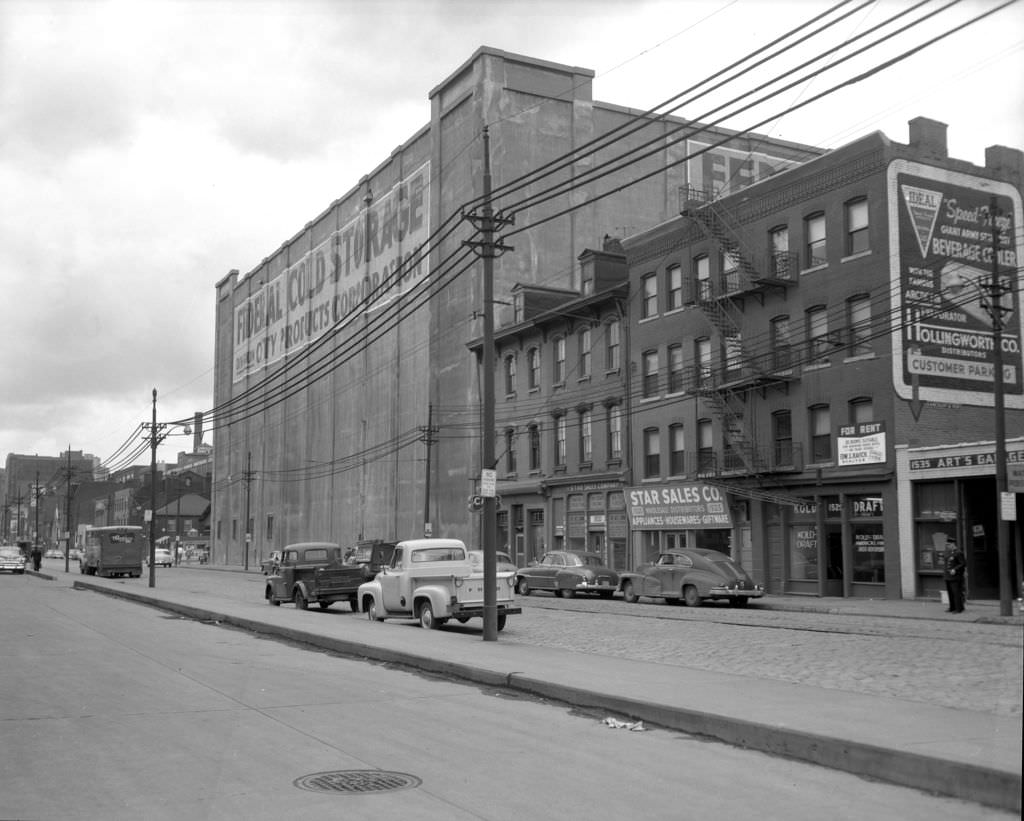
{"x": 319, "y": 573}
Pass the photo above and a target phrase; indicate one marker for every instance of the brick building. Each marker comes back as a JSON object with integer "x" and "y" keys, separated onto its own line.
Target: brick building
{"x": 817, "y": 345}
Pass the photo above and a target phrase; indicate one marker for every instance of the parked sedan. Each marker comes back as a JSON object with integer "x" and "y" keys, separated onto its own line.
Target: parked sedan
{"x": 505, "y": 563}
{"x": 11, "y": 560}
{"x": 689, "y": 576}
{"x": 162, "y": 557}
{"x": 566, "y": 573}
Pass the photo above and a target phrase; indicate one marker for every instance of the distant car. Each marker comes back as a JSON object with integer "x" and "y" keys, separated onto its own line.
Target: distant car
{"x": 566, "y": 573}
{"x": 75, "y": 554}
{"x": 505, "y": 563}
{"x": 689, "y": 576}
{"x": 53, "y": 553}
{"x": 162, "y": 557}
{"x": 269, "y": 566}
{"x": 11, "y": 560}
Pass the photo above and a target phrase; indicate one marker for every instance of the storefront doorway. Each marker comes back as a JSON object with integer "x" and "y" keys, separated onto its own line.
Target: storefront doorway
{"x": 980, "y": 537}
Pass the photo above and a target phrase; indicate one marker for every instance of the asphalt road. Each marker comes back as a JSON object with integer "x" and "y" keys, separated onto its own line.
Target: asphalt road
{"x": 114, "y": 710}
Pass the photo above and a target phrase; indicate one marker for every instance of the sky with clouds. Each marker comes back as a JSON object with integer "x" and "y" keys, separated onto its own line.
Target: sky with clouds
{"x": 147, "y": 148}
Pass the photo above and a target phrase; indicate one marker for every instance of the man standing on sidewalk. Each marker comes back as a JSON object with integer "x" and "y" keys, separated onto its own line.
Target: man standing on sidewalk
{"x": 956, "y": 565}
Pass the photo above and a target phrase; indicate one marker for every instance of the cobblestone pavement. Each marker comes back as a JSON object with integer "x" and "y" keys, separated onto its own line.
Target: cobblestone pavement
{"x": 951, "y": 664}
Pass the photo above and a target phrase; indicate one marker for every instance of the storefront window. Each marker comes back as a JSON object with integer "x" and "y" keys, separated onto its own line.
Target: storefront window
{"x": 934, "y": 522}
{"x": 868, "y": 539}
{"x": 803, "y": 543}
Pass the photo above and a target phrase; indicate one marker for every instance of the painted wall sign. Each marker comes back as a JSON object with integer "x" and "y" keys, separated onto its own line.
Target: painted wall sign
{"x": 725, "y": 170}
{"x": 942, "y": 250}
{"x": 678, "y": 506}
{"x": 361, "y": 267}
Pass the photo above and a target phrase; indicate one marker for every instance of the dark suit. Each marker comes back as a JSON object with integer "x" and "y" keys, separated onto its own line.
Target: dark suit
{"x": 956, "y": 565}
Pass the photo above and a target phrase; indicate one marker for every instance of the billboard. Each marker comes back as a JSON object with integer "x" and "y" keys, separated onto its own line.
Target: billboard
{"x": 344, "y": 276}
{"x": 677, "y": 506}
{"x": 948, "y": 231}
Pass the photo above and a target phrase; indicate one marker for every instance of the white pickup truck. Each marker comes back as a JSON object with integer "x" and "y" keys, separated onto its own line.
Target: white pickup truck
{"x": 433, "y": 580}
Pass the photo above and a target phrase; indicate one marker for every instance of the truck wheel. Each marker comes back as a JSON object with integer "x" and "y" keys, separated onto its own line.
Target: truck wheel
{"x": 501, "y": 621}
{"x": 629, "y": 593}
{"x": 370, "y": 606}
{"x": 691, "y": 596}
{"x": 523, "y": 587}
{"x": 568, "y": 593}
{"x": 300, "y": 600}
{"x": 427, "y": 620}
{"x": 353, "y": 602}
{"x": 324, "y": 605}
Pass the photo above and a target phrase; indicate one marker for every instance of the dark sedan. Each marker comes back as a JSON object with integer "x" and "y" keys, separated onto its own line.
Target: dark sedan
{"x": 689, "y": 576}
{"x": 566, "y": 573}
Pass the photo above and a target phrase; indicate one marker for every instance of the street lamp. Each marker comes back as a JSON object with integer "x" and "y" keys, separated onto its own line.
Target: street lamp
{"x": 992, "y": 291}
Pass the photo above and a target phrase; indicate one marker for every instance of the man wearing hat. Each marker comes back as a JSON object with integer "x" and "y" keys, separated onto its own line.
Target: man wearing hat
{"x": 956, "y": 565}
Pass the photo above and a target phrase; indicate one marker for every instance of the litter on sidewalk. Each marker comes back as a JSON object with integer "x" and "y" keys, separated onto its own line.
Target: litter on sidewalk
{"x": 633, "y": 726}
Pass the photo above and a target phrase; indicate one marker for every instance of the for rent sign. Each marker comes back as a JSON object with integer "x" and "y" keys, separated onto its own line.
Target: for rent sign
{"x": 945, "y": 239}
{"x": 677, "y": 506}
{"x": 361, "y": 266}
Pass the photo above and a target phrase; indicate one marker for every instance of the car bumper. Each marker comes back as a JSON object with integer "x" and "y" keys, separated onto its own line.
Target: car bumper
{"x": 733, "y": 593}
{"x": 472, "y": 610}
{"x": 595, "y": 587}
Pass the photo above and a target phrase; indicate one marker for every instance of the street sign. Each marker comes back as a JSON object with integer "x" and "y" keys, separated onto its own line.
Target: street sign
{"x": 488, "y": 482}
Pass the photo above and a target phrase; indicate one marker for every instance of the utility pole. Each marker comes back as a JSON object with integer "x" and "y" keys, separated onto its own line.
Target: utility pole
{"x": 67, "y": 517}
{"x": 153, "y": 440}
{"x": 996, "y": 291}
{"x": 248, "y": 485}
{"x": 486, "y": 249}
{"x": 428, "y": 439}
{"x": 35, "y": 500}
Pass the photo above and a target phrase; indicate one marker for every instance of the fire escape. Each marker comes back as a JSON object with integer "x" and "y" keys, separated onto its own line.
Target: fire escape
{"x": 721, "y": 298}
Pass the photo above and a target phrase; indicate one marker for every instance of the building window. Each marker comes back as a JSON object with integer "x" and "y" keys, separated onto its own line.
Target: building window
{"x": 857, "y": 227}
{"x": 674, "y": 287}
{"x": 732, "y": 356}
{"x": 781, "y": 344}
{"x": 652, "y": 453}
{"x": 858, "y": 310}
{"x": 705, "y": 446}
{"x": 730, "y": 265}
{"x": 533, "y": 362}
{"x": 614, "y": 432}
{"x": 676, "y": 450}
{"x": 584, "y": 366}
{"x": 586, "y": 442}
{"x": 612, "y": 346}
{"x": 517, "y": 308}
{"x": 534, "y": 447}
{"x": 510, "y": 374}
{"x": 650, "y": 373}
{"x": 782, "y": 436}
{"x": 702, "y": 353}
{"x": 820, "y": 419}
{"x": 510, "y": 450}
{"x": 560, "y": 427}
{"x": 781, "y": 263}
{"x": 817, "y": 334}
{"x": 702, "y": 277}
{"x": 558, "y": 360}
{"x": 270, "y": 526}
{"x": 814, "y": 231}
{"x": 649, "y": 306}
{"x": 862, "y": 410}
{"x": 675, "y": 368}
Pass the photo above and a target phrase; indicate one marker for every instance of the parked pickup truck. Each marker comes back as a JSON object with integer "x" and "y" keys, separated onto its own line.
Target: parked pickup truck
{"x": 315, "y": 573}
{"x": 433, "y": 580}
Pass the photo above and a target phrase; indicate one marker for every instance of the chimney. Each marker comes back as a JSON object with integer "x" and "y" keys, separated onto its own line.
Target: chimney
{"x": 928, "y": 137}
{"x": 1005, "y": 163}
{"x": 197, "y": 432}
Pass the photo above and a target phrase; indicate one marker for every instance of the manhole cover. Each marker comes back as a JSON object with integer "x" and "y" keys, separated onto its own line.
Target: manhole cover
{"x": 356, "y": 781}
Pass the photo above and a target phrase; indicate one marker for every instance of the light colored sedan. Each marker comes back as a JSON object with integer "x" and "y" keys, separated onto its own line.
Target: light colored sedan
{"x": 162, "y": 557}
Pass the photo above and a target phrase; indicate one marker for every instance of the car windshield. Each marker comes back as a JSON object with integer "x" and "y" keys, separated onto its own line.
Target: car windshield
{"x": 439, "y": 554}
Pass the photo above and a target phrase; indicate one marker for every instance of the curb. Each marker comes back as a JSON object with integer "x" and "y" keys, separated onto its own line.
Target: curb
{"x": 995, "y": 788}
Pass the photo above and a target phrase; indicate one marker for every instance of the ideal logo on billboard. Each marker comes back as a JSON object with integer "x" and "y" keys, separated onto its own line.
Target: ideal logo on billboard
{"x": 948, "y": 233}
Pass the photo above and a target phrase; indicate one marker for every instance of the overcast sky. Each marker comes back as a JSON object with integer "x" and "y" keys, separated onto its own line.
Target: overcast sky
{"x": 147, "y": 148}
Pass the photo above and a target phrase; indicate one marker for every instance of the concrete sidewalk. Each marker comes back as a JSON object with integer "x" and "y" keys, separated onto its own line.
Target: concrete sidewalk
{"x": 970, "y": 755}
